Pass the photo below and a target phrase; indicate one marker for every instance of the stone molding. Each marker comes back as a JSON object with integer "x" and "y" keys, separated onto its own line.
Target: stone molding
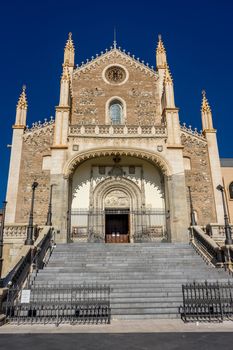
{"x": 108, "y": 56}
{"x": 190, "y": 131}
{"x": 118, "y": 130}
{"x": 154, "y": 158}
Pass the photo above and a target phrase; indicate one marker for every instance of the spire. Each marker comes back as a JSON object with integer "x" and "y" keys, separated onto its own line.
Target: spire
{"x": 69, "y": 52}
{"x": 114, "y": 39}
{"x": 168, "y": 90}
{"x": 65, "y": 72}
{"x": 161, "y": 58}
{"x": 21, "y": 109}
{"x": 167, "y": 75}
{"x": 22, "y": 102}
{"x": 65, "y": 86}
{"x": 69, "y": 44}
{"x": 205, "y": 107}
{"x": 206, "y": 113}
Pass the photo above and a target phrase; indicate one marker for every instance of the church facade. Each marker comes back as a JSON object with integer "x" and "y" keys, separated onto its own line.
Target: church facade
{"x": 115, "y": 163}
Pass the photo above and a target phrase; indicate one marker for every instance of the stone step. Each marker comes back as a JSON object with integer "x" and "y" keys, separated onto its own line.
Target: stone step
{"x": 145, "y": 279}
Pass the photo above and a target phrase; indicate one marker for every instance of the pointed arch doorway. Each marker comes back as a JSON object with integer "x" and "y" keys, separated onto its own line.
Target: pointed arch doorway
{"x": 117, "y": 217}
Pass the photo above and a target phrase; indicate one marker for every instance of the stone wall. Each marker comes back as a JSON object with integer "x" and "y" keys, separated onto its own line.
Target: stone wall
{"x": 36, "y": 144}
{"x": 199, "y": 178}
{"x": 91, "y": 92}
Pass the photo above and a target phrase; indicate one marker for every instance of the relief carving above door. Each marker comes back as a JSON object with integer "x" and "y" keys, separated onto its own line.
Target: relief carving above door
{"x": 117, "y": 199}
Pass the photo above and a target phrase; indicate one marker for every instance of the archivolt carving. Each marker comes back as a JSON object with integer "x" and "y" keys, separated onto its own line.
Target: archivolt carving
{"x": 156, "y": 159}
{"x": 110, "y": 187}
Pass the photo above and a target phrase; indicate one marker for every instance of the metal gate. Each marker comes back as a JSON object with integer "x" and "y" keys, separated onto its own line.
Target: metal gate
{"x": 144, "y": 225}
{"x": 207, "y": 302}
{"x": 53, "y": 303}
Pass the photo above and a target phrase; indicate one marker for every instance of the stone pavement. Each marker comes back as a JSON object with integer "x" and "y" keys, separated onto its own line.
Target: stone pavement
{"x": 124, "y": 326}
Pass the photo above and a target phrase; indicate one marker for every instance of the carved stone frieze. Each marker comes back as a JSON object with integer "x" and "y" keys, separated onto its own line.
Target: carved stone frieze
{"x": 199, "y": 177}
{"x": 35, "y": 144}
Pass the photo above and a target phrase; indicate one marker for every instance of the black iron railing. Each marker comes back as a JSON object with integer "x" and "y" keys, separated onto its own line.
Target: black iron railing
{"x": 43, "y": 251}
{"x": 33, "y": 259}
{"x": 19, "y": 273}
{"x": 207, "y": 302}
{"x": 58, "y": 303}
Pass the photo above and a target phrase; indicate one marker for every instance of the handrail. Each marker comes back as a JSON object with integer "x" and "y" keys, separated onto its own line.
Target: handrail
{"x": 206, "y": 246}
{"x": 21, "y": 270}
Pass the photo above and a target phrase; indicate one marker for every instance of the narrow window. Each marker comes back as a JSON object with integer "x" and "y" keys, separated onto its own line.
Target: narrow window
{"x": 116, "y": 112}
{"x": 231, "y": 190}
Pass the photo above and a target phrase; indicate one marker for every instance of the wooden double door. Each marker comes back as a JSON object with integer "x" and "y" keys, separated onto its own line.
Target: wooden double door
{"x": 117, "y": 227}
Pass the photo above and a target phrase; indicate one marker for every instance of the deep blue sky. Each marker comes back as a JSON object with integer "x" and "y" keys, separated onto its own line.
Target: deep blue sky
{"x": 198, "y": 36}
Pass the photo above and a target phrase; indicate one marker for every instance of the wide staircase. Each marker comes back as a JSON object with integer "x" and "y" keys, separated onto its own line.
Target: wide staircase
{"x": 145, "y": 279}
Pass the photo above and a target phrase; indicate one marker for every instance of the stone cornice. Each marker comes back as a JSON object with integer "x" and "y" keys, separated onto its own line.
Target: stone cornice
{"x": 170, "y": 109}
{"x": 114, "y": 53}
{"x": 62, "y": 108}
{"x": 59, "y": 147}
{"x": 175, "y": 146}
{"x": 18, "y": 126}
{"x": 209, "y": 131}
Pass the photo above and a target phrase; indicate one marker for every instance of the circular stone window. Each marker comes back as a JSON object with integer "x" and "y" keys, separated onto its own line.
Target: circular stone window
{"x": 115, "y": 75}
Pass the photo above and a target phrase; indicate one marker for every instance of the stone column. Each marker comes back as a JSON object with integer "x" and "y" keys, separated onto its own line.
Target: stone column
{"x": 179, "y": 213}
{"x": 14, "y": 171}
{"x": 60, "y": 193}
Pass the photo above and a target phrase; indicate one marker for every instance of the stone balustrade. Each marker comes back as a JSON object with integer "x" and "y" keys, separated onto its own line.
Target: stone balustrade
{"x": 118, "y": 130}
{"x": 15, "y": 232}
{"x": 39, "y": 125}
{"x": 193, "y": 132}
{"x": 217, "y": 232}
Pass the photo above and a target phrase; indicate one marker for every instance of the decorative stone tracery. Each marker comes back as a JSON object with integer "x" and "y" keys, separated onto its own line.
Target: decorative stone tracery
{"x": 81, "y": 157}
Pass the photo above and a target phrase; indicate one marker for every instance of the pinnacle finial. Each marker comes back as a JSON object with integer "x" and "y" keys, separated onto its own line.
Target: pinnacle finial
{"x": 205, "y": 107}
{"x": 69, "y": 44}
{"x": 22, "y": 101}
{"x": 160, "y": 46}
{"x": 167, "y": 75}
{"x": 161, "y": 59}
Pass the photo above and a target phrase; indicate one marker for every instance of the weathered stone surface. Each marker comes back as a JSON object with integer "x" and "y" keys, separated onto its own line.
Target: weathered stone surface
{"x": 199, "y": 178}
{"x": 91, "y": 93}
{"x": 35, "y": 145}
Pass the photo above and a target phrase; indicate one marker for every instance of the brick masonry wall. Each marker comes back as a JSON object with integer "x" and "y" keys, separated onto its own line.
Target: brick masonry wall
{"x": 199, "y": 178}
{"x": 91, "y": 92}
{"x": 36, "y": 145}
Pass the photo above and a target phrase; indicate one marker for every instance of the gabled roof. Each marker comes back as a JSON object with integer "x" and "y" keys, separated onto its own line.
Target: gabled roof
{"x": 113, "y": 53}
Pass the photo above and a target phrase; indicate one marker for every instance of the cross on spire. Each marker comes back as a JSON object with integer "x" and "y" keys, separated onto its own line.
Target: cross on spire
{"x": 114, "y": 38}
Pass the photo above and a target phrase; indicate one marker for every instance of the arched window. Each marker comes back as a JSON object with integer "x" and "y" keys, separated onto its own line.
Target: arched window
{"x": 231, "y": 190}
{"x": 116, "y": 112}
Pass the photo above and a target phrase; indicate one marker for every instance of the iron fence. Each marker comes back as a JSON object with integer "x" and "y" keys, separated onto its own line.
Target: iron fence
{"x": 207, "y": 302}
{"x": 143, "y": 225}
{"x": 58, "y": 303}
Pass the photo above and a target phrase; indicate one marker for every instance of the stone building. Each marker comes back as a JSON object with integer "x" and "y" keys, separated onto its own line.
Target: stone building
{"x": 116, "y": 159}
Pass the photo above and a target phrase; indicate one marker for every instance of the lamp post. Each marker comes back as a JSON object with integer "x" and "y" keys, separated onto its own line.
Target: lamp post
{"x": 1, "y": 234}
{"x": 49, "y": 214}
{"x": 226, "y": 220}
{"x": 29, "y": 240}
{"x": 192, "y": 214}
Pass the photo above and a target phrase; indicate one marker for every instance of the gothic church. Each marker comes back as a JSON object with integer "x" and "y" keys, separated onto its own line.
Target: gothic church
{"x": 115, "y": 163}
